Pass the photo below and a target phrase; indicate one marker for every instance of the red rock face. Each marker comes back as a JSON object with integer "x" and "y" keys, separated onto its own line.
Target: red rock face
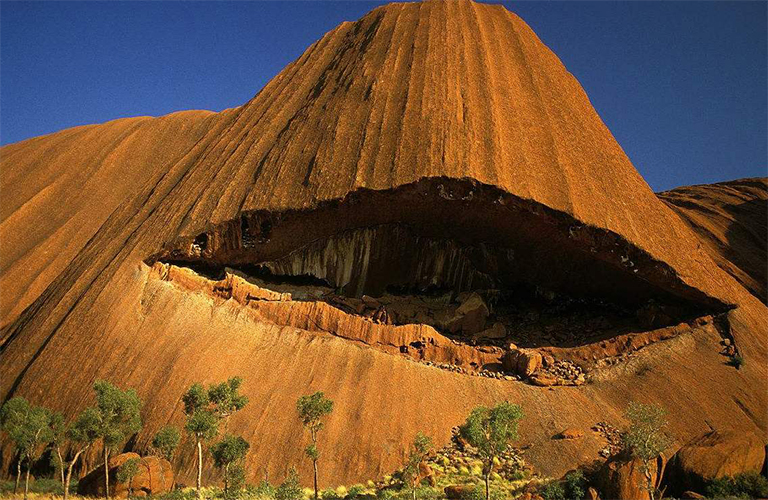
{"x": 714, "y": 455}
{"x": 731, "y": 219}
{"x": 433, "y": 148}
{"x": 623, "y": 477}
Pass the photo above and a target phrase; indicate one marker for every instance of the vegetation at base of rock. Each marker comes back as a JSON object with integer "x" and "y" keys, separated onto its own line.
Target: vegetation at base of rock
{"x": 290, "y": 488}
{"x": 646, "y": 438}
{"x": 166, "y": 441}
{"x": 127, "y": 471}
{"x": 205, "y": 409}
{"x": 312, "y": 408}
{"x": 41, "y": 486}
{"x": 30, "y": 430}
{"x": 262, "y": 490}
{"x": 573, "y": 485}
{"x": 118, "y": 417}
{"x": 748, "y": 485}
{"x": 228, "y": 455}
{"x": 420, "y": 449}
{"x": 491, "y": 431}
{"x": 553, "y": 490}
{"x": 478, "y": 463}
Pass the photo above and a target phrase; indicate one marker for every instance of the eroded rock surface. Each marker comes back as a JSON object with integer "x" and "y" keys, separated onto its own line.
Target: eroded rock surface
{"x": 714, "y": 455}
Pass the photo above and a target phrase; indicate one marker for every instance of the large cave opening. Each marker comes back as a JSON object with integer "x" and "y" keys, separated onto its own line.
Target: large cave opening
{"x": 479, "y": 265}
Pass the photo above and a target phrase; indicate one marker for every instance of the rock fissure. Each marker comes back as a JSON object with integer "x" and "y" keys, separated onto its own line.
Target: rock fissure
{"x": 389, "y": 324}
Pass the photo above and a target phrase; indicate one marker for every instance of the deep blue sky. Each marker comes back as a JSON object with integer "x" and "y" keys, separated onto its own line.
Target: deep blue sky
{"x": 682, "y": 85}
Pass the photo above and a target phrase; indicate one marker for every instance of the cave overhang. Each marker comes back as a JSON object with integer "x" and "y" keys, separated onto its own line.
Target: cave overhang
{"x": 439, "y": 233}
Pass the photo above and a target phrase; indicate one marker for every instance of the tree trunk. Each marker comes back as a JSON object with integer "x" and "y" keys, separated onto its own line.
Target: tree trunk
{"x": 68, "y": 479}
{"x": 314, "y": 466}
{"x": 61, "y": 464}
{"x": 487, "y": 486}
{"x": 226, "y": 480}
{"x": 199, "y": 469}
{"x": 649, "y": 480}
{"x": 18, "y": 475}
{"x": 106, "y": 471}
{"x": 413, "y": 493}
{"x": 26, "y": 479}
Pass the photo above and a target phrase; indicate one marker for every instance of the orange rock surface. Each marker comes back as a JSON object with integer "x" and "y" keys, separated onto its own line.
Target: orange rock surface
{"x": 444, "y": 92}
{"x": 731, "y": 219}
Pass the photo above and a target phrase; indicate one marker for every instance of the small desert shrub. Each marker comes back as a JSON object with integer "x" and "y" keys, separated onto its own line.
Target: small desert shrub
{"x": 355, "y": 491}
{"x": 553, "y": 490}
{"x": 181, "y": 494}
{"x": 518, "y": 475}
{"x": 186, "y": 494}
{"x": 748, "y": 485}
{"x": 575, "y": 484}
{"x": 290, "y": 489}
{"x": 386, "y": 494}
{"x": 261, "y": 490}
{"x": 236, "y": 478}
{"x": 330, "y": 494}
{"x": 41, "y": 485}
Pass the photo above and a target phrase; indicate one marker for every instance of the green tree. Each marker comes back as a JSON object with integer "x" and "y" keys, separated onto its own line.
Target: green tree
{"x": 14, "y": 415}
{"x": 39, "y": 436}
{"x": 30, "y": 428}
{"x": 225, "y": 398}
{"x": 127, "y": 471}
{"x": 204, "y": 409}
{"x": 419, "y": 451}
{"x": 491, "y": 431}
{"x": 228, "y": 452}
{"x": 81, "y": 434}
{"x": 290, "y": 488}
{"x": 646, "y": 439}
{"x": 166, "y": 441}
{"x": 312, "y": 408}
{"x": 119, "y": 417}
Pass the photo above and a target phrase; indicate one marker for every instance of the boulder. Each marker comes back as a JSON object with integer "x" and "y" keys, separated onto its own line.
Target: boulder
{"x": 713, "y": 455}
{"x": 497, "y": 331}
{"x": 543, "y": 380}
{"x": 571, "y": 433}
{"x": 155, "y": 476}
{"x": 621, "y": 477}
{"x": 592, "y": 494}
{"x": 458, "y": 491}
{"x": 524, "y": 362}
{"x": 470, "y": 316}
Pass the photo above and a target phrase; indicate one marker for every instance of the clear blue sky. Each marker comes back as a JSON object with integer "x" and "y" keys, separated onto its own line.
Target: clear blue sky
{"x": 682, "y": 85}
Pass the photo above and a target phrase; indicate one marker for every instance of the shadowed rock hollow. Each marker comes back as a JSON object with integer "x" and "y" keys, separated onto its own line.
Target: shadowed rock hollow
{"x": 427, "y": 150}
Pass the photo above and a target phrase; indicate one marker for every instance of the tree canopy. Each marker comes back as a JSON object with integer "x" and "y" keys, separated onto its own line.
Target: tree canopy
{"x": 117, "y": 413}
{"x": 166, "y": 441}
